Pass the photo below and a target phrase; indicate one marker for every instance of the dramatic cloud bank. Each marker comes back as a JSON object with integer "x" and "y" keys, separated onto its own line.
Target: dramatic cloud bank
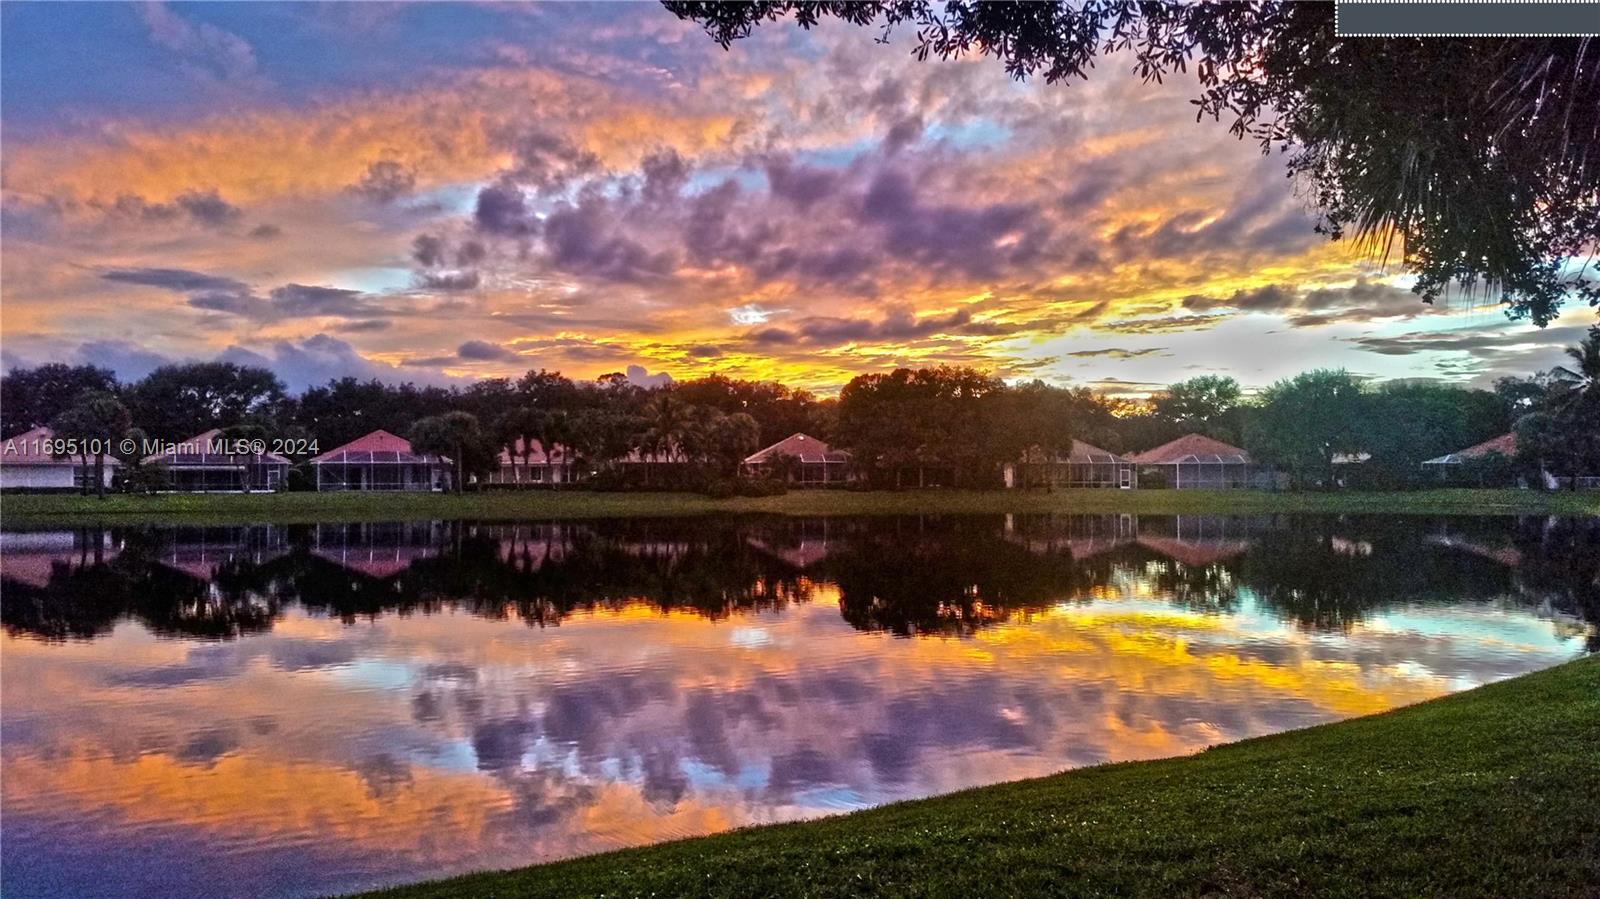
{"x": 601, "y": 189}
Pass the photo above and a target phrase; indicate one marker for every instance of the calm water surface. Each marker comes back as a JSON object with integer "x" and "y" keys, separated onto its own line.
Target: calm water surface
{"x": 305, "y": 710}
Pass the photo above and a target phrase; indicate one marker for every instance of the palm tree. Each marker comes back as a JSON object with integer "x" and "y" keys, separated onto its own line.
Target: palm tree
{"x": 598, "y": 437}
{"x": 697, "y": 438}
{"x": 233, "y": 437}
{"x": 1581, "y": 382}
{"x": 1576, "y": 402}
{"x": 559, "y": 434}
{"x": 523, "y": 425}
{"x": 95, "y": 421}
{"x": 666, "y": 419}
{"x": 455, "y": 435}
{"x": 733, "y": 438}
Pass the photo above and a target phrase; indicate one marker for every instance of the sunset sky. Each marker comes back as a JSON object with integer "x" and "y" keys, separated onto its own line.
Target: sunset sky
{"x": 443, "y": 192}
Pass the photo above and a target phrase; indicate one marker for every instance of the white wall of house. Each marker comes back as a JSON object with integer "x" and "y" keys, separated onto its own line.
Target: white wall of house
{"x": 381, "y": 477}
{"x": 43, "y": 477}
{"x": 517, "y": 473}
{"x": 35, "y": 476}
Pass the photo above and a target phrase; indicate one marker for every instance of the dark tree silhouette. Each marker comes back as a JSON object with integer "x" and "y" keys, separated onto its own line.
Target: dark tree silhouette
{"x": 946, "y": 424}
{"x": 1306, "y": 421}
{"x": 97, "y": 422}
{"x": 31, "y": 397}
{"x": 176, "y": 402}
{"x": 458, "y": 437}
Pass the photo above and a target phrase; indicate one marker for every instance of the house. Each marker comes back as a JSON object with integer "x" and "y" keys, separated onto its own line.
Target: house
{"x": 380, "y": 461}
{"x": 1348, "y": 468}
{"x": 647, "y": 467}
{"x": 202, "y": 464}
{"x": 800, "y": 459}
{"x": 1504, "y": 445}
{"x": 1082, "y": 465}
{"x": 28, "y": 463}
{"x": 1476, "y": 463}
{"x": 535, "y": 466}
{"x": 530, "y": 465}
{"x": 1197, "y": 461}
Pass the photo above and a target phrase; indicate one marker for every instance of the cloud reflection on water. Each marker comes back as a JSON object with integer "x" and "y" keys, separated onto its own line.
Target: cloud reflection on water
{"x": 298, "y": 712}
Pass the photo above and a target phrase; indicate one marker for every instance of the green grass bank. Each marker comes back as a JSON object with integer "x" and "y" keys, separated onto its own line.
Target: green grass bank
{"x": 289, "y": 508}
{"x": 1492, "y": 793}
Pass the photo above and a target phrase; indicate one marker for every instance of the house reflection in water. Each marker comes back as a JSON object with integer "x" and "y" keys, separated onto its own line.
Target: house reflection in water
{"x": 378, "y": 550}
{"x": 802, "y": 543}
{"x": 1081, "y": 535}
{"x": 1196, "y": 540}
{"x": 1199, "y": 540}
{"x": 204, "y": 552}
{"x": 33, "y": 557}
{"x": 528, "y": 547}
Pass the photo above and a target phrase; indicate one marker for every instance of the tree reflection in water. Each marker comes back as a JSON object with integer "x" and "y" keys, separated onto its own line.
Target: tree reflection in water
{"x": 946, "y": 575}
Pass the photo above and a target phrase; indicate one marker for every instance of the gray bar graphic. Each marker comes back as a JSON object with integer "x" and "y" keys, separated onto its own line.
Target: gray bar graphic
{"x": 1486, "y": 19}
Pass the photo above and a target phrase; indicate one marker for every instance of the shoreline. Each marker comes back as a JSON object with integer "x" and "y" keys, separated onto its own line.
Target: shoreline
{"x": 57, "y": 510}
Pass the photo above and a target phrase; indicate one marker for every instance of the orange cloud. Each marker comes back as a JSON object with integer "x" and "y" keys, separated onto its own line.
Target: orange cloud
{"x": 452, "y": 133}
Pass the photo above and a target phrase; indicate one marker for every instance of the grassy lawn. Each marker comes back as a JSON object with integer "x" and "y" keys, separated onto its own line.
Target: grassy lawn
{"x": 287, "y": 508}
{"x": 1494, "y": 792}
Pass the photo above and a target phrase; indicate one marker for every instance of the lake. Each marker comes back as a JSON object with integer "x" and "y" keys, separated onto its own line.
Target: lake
{"x": 295, "y": 711}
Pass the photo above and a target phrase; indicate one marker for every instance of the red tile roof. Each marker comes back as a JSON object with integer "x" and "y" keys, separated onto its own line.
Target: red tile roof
{"x": 1080, "y": 454}
{"x": 804, "y": 447}
{"x": 1192, "y": 448}
{"x": 379, "y": 447}
{"x": 1505, "y": 445}
{"x": 196, "y": 453}
{"x": 26, "y": 449}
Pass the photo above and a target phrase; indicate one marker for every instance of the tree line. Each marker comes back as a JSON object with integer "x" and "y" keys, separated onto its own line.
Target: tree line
{"x": 948, "y": 425}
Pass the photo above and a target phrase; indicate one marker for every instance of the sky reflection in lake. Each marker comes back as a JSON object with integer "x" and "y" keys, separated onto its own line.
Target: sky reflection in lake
{"x": 298, "y": 711}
